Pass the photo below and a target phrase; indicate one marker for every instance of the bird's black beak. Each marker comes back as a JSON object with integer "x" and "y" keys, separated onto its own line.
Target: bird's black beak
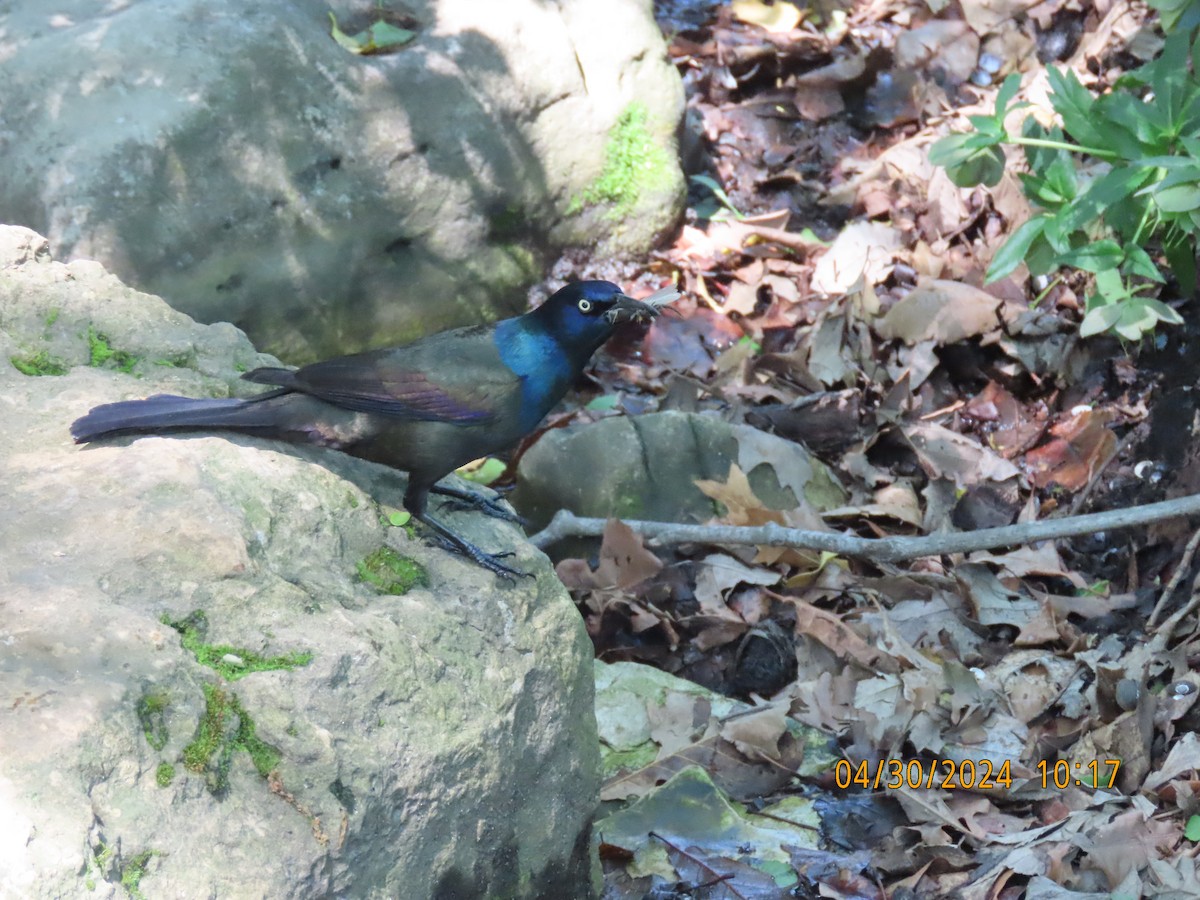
{"x": 626, "y": 309}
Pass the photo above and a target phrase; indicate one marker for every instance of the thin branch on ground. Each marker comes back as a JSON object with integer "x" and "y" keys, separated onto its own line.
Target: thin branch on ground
{"x": 1181, "y": 569}
{"x": 893, "y": 549}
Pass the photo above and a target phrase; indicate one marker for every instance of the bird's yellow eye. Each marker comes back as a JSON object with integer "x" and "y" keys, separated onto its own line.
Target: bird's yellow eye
{"x": 585, "y": 306}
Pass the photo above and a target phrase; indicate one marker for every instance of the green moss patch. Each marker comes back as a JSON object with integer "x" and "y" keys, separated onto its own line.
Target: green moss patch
{"x": 98, "y": 861}
{"x": 152, "y": 714}
{"x": 38, "y": 364}
{"x": 230, "y": 662}
{"x": 134, "y": 871}
{"x": 103, "y": 863}
{"x": 633, "y": 162}
{"x": 392, "y": 573}
{"x": 164, "y": 775}
{"x": 103, "y": 355}
{"x": 224, "y": 730}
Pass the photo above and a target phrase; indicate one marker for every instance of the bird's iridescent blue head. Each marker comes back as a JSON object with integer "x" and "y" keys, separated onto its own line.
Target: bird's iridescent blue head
{"x": 584, "y": 314}
{"x": 549, "y": 347}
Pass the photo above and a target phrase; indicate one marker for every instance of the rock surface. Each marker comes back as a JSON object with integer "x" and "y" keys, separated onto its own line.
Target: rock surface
{"x": 646, "y": 467}
{"x": 233, "y": 158}
{"x": 436, "y": 744}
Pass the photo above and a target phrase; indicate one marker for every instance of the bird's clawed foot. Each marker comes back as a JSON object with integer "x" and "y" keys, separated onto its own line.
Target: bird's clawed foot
{"x": 461, "y": 499}
{"x": 460, "y": 545}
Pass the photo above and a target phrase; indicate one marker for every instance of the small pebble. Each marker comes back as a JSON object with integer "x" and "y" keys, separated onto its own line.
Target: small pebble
{"x": 1128, "y": 693}
{"x": 990, "y": 63}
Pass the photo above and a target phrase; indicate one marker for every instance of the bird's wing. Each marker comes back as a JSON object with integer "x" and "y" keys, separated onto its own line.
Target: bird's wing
{"x": 451, "y": 377}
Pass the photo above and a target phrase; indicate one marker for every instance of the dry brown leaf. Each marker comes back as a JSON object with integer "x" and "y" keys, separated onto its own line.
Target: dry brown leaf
{"x": 1126, "y": 738}
{"x": 992, "y": 601}
{"x": 794, "y": 471}
{"x": 1032, "y": 680}
{"x": 718, "y": 575}
{"x": 624, "y": 562}
{"x": 894, "y": 501}
{"x": 862, "y": 250}
{"x": 1011, "y": 427}
{"x": 680, "y": 721}
{"x": 742, "y": 298}
{"x": 1042, "y": 559}
{"x": 985, "y": 16}
{"x": 735, "y": 494}
{"x": 816, "y": 103}
{"x": 1079, "y": 448}
{"x": 777, "y": 17}
{"x": 1184, "y": 757}
{"x": 947, "y": 454}
{"x": 944, "y": 311}
{"x": 830, "y": 630}
{"x": 757, "y": 733}
{"x": 942, "y": 44}
{"x": 827, "y": 702}
{"x": 1128, "y": 843}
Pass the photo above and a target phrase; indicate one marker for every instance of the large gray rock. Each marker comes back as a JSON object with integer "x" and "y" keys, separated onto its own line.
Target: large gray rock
{"x": 233, "y": 158}
{"x": 646, "y": 467}
{"x": 436, "y": 744}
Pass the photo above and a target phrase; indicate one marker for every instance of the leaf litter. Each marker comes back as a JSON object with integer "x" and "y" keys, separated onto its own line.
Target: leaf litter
{"x": 755, "y": 702}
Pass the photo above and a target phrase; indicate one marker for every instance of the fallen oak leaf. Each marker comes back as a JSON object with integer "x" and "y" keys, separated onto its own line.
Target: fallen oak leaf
{"x": 624, "y": 562}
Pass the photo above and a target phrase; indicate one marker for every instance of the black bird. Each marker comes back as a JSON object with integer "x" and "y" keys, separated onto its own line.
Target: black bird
{"x": 426, "y": 408}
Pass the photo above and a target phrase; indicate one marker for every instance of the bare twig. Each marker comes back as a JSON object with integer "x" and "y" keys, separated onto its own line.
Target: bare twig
{"x": 1162, "y": 636}
{"x": 1177, "y": 576}
{"x": 893, "y": 549}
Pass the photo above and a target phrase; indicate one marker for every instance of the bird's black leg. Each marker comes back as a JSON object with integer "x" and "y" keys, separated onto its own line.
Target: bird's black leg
{"x": 415, "y": 499}
{"x": 472, "y": 500}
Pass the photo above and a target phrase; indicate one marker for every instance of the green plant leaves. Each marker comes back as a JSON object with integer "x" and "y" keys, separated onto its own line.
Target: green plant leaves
{"x": 969, "y": 159}
{"x": 1015, "y": 249}
{"x": 1095, "y": 257}
{"x": 1180, "y": 251}
{"x": 1073, "y": 102}
{"x": 1177, "y": 14}
{"x": 1191, "y": 831}
{"x": 976, "y": 158}
{"x": 1114, "y": 307}
{"x": 727, "y": 208}
{"x": 1179, "y": 190}
{"x": 1137, "y": 195}
{"x": 1103, "y": 193}
{"x": 1139, "y": 263}
{"x": 1131, "y": 319}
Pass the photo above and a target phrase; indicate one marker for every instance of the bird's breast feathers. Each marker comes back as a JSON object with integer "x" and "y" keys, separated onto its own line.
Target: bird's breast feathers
{"x": 538, "y": 360}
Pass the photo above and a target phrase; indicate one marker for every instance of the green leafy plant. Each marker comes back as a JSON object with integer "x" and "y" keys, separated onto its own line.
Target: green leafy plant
{"x": 718, "y": 206}
{"x": 1192, "y": 830}
{"x": 1120, "y": 175}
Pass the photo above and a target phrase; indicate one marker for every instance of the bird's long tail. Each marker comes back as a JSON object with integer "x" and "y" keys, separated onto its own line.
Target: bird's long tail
{"x": 165, "y": 412}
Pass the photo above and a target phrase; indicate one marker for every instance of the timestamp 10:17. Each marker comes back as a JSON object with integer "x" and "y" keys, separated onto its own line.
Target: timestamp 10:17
{"x": 1061, "y": 774}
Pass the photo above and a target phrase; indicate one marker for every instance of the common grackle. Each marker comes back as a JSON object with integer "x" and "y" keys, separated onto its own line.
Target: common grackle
{"x": 427, "y": 407}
